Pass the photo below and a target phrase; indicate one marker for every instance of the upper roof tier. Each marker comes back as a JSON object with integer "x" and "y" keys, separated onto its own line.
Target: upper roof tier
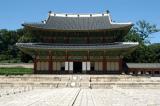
{"x": 78, "y": 22}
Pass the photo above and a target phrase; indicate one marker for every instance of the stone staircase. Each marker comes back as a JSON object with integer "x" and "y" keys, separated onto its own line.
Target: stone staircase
{"x": 80, "y": 81}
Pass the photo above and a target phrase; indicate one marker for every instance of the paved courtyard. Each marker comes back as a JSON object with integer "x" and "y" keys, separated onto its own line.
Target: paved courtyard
{"x": 83, "y": 97}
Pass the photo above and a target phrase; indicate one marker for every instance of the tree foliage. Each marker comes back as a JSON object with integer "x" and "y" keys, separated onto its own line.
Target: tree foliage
{"x": 8, "y": 49}
{"x": 141, "y": 31}
{"x": 145, "y": 52}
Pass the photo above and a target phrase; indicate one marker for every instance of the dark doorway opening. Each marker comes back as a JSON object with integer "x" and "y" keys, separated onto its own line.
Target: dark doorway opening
{"x": 77, "y": 67}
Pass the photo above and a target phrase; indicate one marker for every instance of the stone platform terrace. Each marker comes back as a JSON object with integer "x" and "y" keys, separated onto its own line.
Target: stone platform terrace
{"x": 80, "y": 81}
{"x": 79, "y": 90}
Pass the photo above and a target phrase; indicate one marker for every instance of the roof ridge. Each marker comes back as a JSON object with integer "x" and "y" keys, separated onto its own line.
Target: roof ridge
{"x": 78, "y": 14}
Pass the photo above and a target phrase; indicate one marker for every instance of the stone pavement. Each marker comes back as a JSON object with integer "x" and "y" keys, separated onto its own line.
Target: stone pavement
{"x": 83, "y": 97}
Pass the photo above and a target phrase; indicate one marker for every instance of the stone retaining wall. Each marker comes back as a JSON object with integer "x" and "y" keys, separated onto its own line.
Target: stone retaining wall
{"x": 80, "y": 81}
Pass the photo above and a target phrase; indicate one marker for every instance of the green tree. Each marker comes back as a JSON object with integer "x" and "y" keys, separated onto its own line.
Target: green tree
{"x": 144, "y": 29}
{"x": 140, "y": 33}
{"x": 8, "y": 39}
{"x": 25, "y": 57}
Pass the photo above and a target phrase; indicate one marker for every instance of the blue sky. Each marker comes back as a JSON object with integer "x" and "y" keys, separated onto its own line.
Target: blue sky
{"x": 14, "y": 12}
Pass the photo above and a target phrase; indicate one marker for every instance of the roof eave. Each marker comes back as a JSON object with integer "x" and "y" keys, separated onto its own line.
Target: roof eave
{"x": 40, "y": 28}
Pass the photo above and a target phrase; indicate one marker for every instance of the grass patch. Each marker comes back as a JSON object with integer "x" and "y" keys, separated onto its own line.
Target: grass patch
{"x": 15, "y": 71}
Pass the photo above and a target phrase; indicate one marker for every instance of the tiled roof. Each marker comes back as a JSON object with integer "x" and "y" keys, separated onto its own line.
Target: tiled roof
{"x": 77, "y": 46}
{"x": 78, "y": 22}
{"x": 143, "y": 65}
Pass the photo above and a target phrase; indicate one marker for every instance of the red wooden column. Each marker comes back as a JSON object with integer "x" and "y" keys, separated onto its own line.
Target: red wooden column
{"x": 50, "y": 63}
{"x": 104, "y": 62}
{"x": 88, "y": 55}
{"x": 120, "y": 65}
{"x": 88, "y": 38}
{"x": 35, "y": 65}
{"x": 65, "y": 56}
{"x": 104, "y": 40}
{"x": 66, "y": 59}
{"x": 152, "y": 72}
{"x": 104, "y": 65}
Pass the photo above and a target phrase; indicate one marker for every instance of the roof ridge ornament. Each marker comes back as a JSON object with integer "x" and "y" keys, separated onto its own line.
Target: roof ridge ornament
{"x": 78, "y": 15}
{"x": 107, "y": 11}
{"x": 44, "y": 21}
{"x": 50, "y": 12}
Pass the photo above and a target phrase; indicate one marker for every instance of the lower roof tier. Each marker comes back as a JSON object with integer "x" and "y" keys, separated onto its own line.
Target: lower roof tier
{"x": 119, "y": 48}
{"x": 52, "y": 46}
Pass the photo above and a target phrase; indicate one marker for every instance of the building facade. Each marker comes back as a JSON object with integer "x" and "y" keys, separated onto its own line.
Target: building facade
{"x": 78, "y": 43}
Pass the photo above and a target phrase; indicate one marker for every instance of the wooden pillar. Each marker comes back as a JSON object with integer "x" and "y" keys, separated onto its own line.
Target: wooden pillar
{"x": 66, "y": 56}
{"x": 106, "y": 64}
{"x": 88, "y": 60}
{"x": 104, "y": 61}
{"x": 104, "y": 37}
{"x": 88, "y": 55}
{"x": 152, "y": 72}
{"x": 35, "y": 65}
{"x": 66, "y": 60}
{"x": 120, "y": 65}
{"x": 50, "y": 63}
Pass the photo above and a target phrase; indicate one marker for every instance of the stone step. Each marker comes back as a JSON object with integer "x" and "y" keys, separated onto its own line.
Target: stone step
{"x": 81, "y": 81}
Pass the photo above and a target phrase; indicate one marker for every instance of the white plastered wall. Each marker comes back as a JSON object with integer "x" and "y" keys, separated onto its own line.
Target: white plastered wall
{"x": 58, "y": 66}
{"x": 41, "y": 66}
{"x": 38, "y": 66}
{"x": 66, "y": 66}
{"x": 96, "y": 66}
{"x": 88, "y": 66}
{"x": 112, "y": 66}
{"x": 84, "y": 66}
{"x": 108, "y": 66}
{"x": 116, "y": 66}
{"x": 46, "y": 66}
{"x": 70, "y": 66}
{"x": 54, "y": 66}
{"x": 100, "y": 66}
